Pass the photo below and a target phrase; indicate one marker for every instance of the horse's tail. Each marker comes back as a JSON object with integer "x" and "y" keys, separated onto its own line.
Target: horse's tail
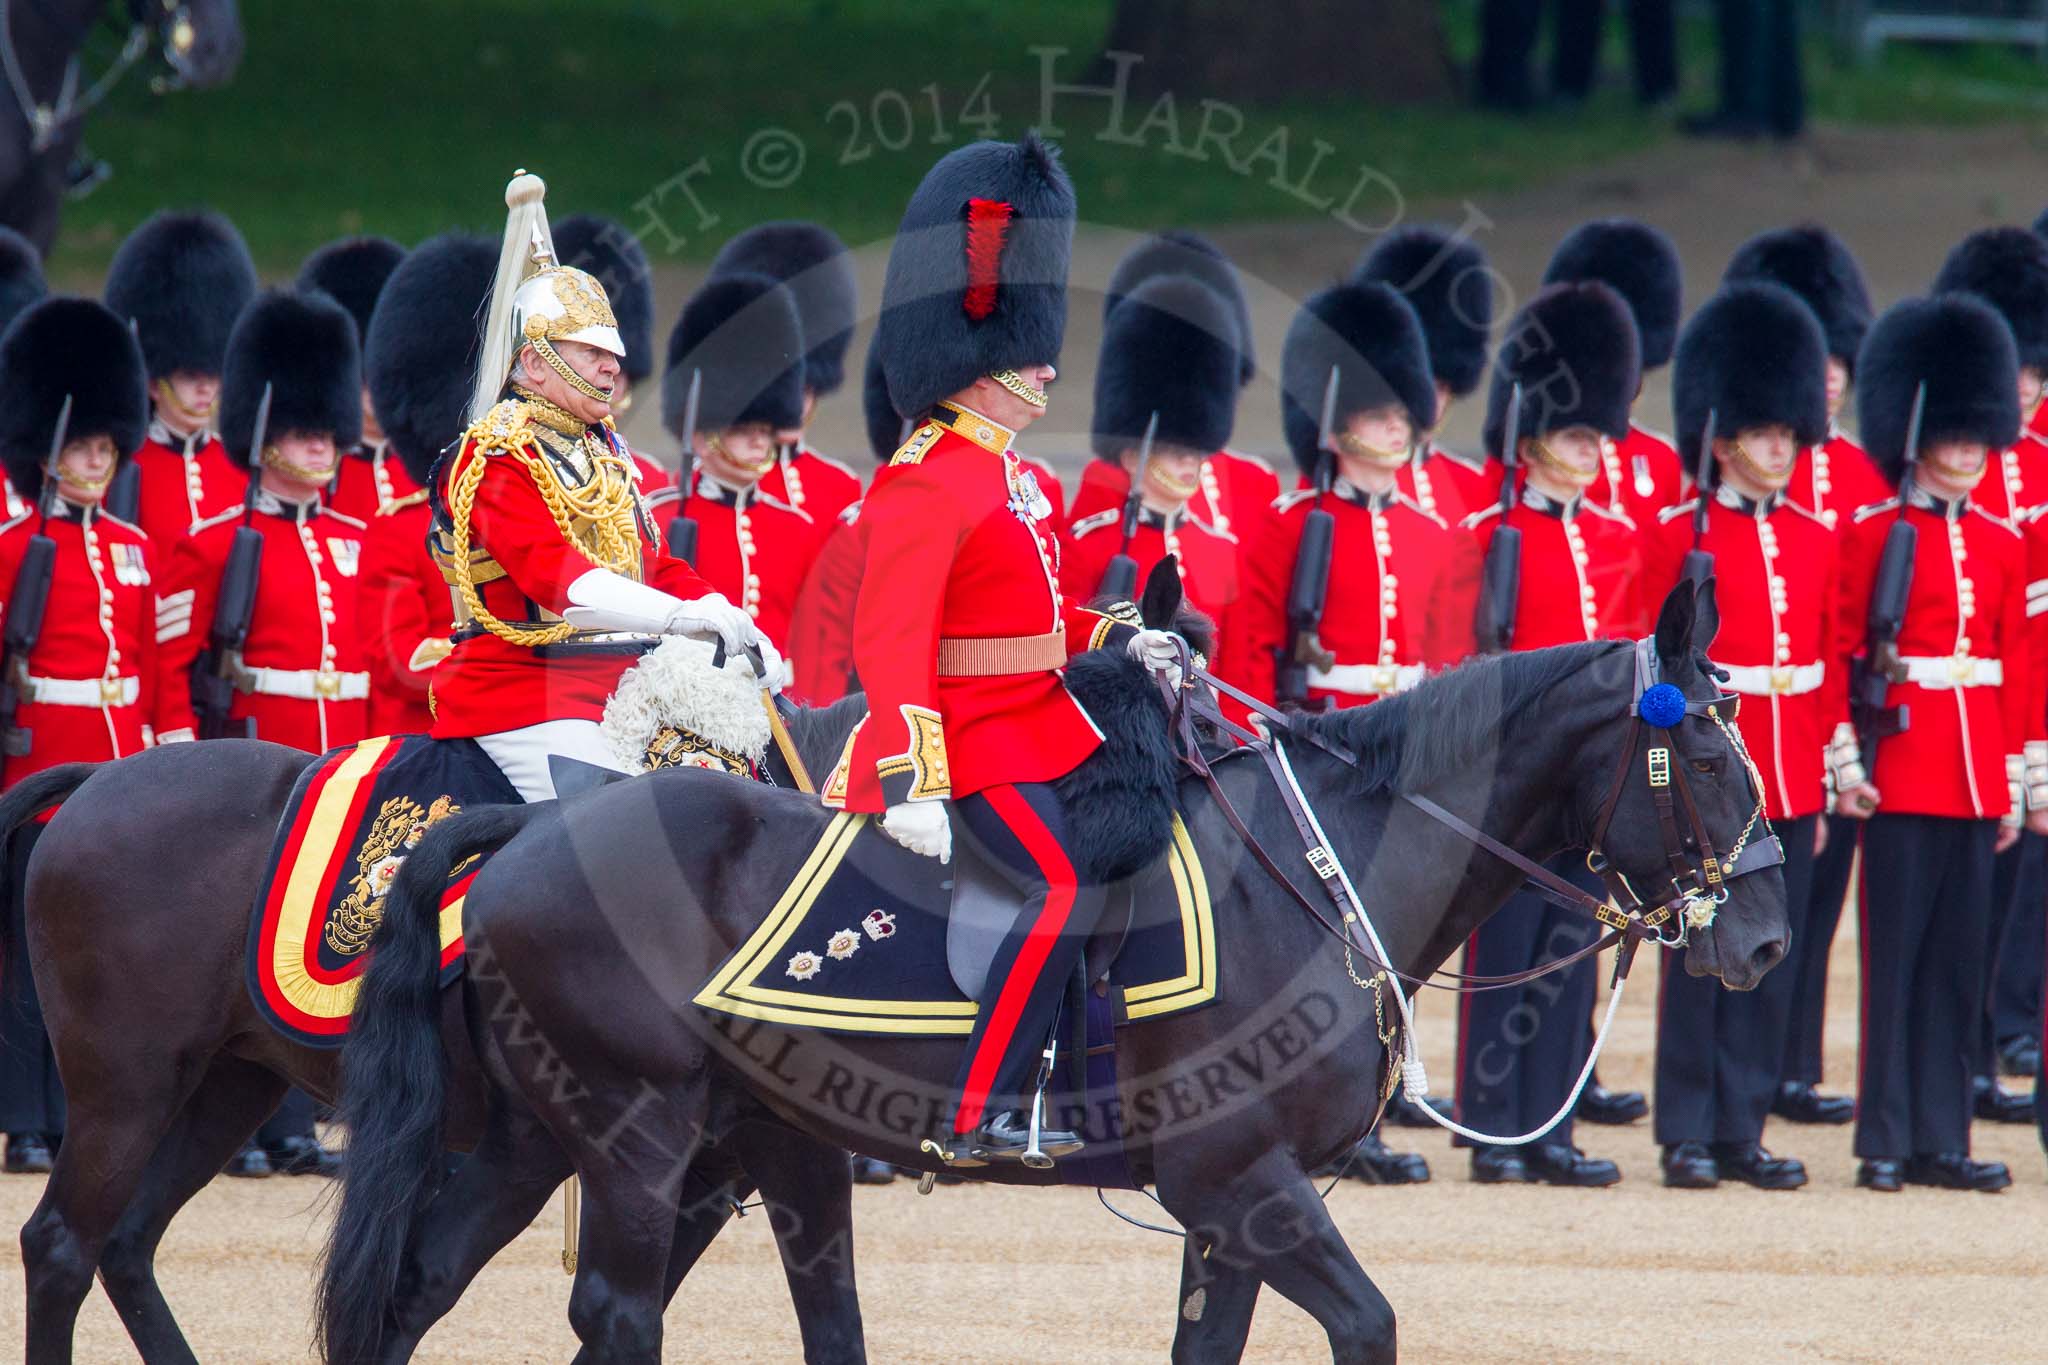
{"x": 393, "y": 1081}
{"x": 42, "y": 791}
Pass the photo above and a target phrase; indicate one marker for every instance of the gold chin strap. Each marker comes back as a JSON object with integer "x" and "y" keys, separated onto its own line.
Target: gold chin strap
{"x": 716, "y": 440}
{"x": 1762, "y": 477}
{"x": 168, "y": 397}
{"x": 1372, "y": 454}
{"x": 1577, "y": 478}
{"x": 1970, "y": 480}
{"x": 1169, "y": 482}
{"x": 545, "y": 349}
{"x": 93, "y": 486}
{"x": 274, "y": 459}
{"x": 1017, "y": 384}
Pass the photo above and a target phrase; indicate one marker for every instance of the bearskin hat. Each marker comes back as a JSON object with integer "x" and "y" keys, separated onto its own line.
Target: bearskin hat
{"x": 885, "y": 427}
{"x": 182, "y": 279}
{"x": 1574, "y": 351}
{"x": 1371, "y": 337}
{"x": 353, "y": 270}
{"x": 2007, "y": 267}
{"x": 1169, "y": 348}
{"x": 741, "y": 332}
{"x": 68, "y": 346}
{"x": 1639, "y": 263}
{"x": 1753, "y": 356}
{"x": 1176, "y": 252}
{"x": 1959, "y": 347}
{"x": 1816, "y": 265}
{"x": 303, "y": 346}
{"x": 21, "y": 275}
{"x": 977, "y": 278}
{"x": 608, "y": 250}
{"x": 813, "y": 264}
{"x": 421, "y": 348}
{"x": 1446, "y": 279}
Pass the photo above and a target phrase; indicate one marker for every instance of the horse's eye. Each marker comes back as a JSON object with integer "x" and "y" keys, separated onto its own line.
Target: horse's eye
{"x": 1706, "y": 765}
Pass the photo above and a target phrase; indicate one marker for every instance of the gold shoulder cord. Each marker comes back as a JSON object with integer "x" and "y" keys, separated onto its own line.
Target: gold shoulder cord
{"x": 604, "y": 506}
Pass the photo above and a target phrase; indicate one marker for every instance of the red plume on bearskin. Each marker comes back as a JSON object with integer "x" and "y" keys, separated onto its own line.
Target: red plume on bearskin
{"x": 988, "y": 222}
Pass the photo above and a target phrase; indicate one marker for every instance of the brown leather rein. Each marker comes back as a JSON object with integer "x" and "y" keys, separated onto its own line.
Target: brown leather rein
{"x": 1696, "y": 888}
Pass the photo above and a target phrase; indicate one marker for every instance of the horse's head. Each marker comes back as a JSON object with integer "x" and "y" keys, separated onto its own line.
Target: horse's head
{"x": 1676, "y": 806}
{"x": 201, "y": 40}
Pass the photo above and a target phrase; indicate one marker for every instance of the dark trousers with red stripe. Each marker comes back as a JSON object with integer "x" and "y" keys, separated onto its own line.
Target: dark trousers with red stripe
{"x": 2013, "y": 999}
{"x": 1806, "y": 964}
{"x": 1520, "y": 1049}
{"x": 1022, "y": 829}
{"x": 1926, "y": 890}
{"x": 1720, "y": 1052}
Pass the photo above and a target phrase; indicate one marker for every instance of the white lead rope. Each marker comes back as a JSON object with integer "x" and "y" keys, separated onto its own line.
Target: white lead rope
{"x": 1414, "y": 1077}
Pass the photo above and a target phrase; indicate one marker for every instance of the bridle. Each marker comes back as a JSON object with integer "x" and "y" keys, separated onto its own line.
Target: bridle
{"x": 169, "y": 21}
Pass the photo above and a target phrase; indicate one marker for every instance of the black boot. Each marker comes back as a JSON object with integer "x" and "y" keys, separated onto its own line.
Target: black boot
{"x": 28, "y": 1154}
{"x": 1752, "y": 1165}
{"x": 1401, "y": 1110}
{"x": 1378, "y": 1164}
{"x": 1690, "y": 1166}
{"x": 1956, "y": 1171}
{"x": 1500, "y": 1166}
{"x": 1993, "y": 1103}
{"x": 2020, "y": 1056}
{"x": 1007, "y": 1136}
{"x": 302, "y": 1156}
{"x": 1881, "y": 1174}
{"x": 868, "y": 1171}
{"x": 248, "y": 1164}
{"x": 1558, "y": 1163}
{"x": 1801, "y": 1103}
{"x": 1611, "y": 1107}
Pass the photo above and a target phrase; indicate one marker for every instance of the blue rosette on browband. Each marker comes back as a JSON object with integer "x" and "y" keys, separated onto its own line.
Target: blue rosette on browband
{"x": 1661, "y": 705}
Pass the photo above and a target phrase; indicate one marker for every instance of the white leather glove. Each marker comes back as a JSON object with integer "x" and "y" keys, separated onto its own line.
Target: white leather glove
{"x": 1159, "y": 651}
{"x": 921, "y": 827}
{"x": 711, "y": 614}
{"x": 775, "y": 670}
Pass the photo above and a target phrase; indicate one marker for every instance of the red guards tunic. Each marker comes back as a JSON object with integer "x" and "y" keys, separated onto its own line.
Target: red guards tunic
{"x": 1640, "y": 476}
{"x": 1833, "y": 479}
{"x": 821, "y": 628}
{"x": 957, "y": 551}
{"x": 2038, "y": 423}
{"x": 305, "y": 684}
{"x": 755, "y": 548}
{"x": 368, "y": 478}
{"x": 1448, "y": 486}
{"x": 1582, "y": 570}
{"x": 813, "y": 484}
{"x": 1403, "y": 589}
{"x": 406, "y": 614}
{"x": 1775, "y": 572}
{"x": 2015, "y": 490}
{"x": 1209, "y": 561}
{"x": 1236, "y": 496}
{"x": 183, "y": 481}
{"x": 92, "y": 693}
{"x": 650, "y": 478}
{"x": 489, "y": 684}
{"x": 1969, "y": 692}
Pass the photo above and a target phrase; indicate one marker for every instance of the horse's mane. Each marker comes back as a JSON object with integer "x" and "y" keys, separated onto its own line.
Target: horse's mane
{"x": 820, "y": 731}
{"x": 1453, "y": 720}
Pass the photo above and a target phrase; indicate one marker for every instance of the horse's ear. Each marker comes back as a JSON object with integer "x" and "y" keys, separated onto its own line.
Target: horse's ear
{"x": 1159, "y": 604}
{"x": 1706, "y": 617}
{"x": 1675, "y": 624}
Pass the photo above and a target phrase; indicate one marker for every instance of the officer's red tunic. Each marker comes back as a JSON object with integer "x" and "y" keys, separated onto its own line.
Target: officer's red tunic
{"x": 369, "y": 478}
{"x": 182, "y": 483}
{"x": 406, "y": 616}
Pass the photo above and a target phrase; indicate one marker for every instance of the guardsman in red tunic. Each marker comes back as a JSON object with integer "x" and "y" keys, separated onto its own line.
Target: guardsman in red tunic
{"x": 1572, "y": 355}
{"x": 354, "y": 271}
{"x": 561, "y": 583}
{"x": 180, "y": 280}
{"x": 1446, "y": 279}
{"x": 739, "y": 339}
{"x": 1403, "y": 583}
{"x": 83, "y": 689}
{"x": 21, "y": 284}
{"x": 1953, "y": 787}
{"x": 1168, "y": 370}
{"x": 962, "y": 629}
{"x": 418, "y": 356}
{"x": 1753, "y": 362}
{"x": 607, "y": 249}
{"x": 1832, "y": 479}
{"x": 299, "y": 677}
{"x": 810, "y": 261}
{"x": 1640, "y": 473}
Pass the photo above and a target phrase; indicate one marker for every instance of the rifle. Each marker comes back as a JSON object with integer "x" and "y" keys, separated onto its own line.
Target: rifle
{"x": 1309, "y": 590}
{"x": 1871, "y": 677}
{"x": 682, "y": 528}
{"x": 28, "y": 601}
{"x": 215, "y": 668}
{"x": 1120, "y": 579}
{"x": 1500, "y": 583}
{"x": 1699, "y": 562}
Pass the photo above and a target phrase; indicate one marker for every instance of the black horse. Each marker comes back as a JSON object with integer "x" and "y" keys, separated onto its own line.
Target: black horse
{"x": 45, "y": 94}
{"x": 598, "y": 919}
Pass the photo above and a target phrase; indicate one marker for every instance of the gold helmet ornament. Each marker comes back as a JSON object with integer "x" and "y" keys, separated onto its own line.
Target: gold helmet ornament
{"x": 537, "y": 302}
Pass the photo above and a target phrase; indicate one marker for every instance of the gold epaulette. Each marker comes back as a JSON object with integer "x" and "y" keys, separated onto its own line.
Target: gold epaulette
{"x": 918, "y": 446}
{"x": 507, "y": 427}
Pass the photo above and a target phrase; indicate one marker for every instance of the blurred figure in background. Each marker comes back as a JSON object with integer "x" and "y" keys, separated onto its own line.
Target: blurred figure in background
{"x": 1762, "y": 90}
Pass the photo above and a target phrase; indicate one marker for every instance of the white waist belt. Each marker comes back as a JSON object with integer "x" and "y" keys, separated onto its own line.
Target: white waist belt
{"x": 1950, "y": 670}
{"x": 304, "y": 684}
{"x": 1367, "y": 680}
{"x": 1785, "y": 680}
{"x": 94, "y": 692}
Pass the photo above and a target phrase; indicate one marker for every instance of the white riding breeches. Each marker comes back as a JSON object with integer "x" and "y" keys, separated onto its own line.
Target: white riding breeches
{"x": 523, "y": 754}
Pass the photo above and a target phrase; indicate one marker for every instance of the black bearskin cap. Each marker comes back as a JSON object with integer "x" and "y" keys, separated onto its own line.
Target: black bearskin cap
{"x": 303, "y": 346}
{"x": 1573, "y": 349}
{"x": 606, "y": 249}
{"x": 1370, "y": 335}
{"x": 1170, "y": 347}
{"x": 353, "y": 270}
{"x": 1959, "y": 346}
{"x": 977, "y": 278}
{"x": 21, "y": 275}
{"x": 1177, "y": 252}
{"x": 1816, "y": 265}
{"x": 182, "y": 279}
{"x": 67, "y": 346}
{"x": 1446, "y": 279}
{"x": 741, "y": 332}
{"x": 885, "y": 427}
{"x": 1754, "y": 356}
{"x": 2007, "y": 267}
{"x": 1639, "y": 263}
{"x": 420, "y": 350}
{"x": 813, "y": 264}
